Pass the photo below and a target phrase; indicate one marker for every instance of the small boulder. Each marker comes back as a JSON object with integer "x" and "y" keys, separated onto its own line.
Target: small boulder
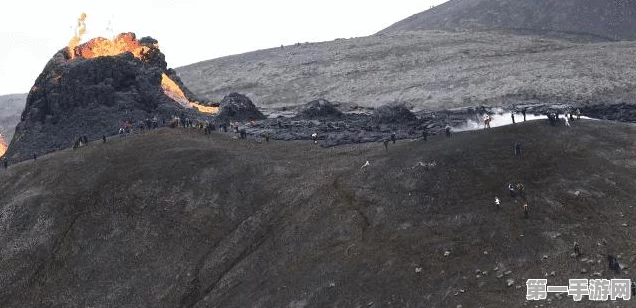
{"x": 320, "y": 108}
{"x": 238, "y": 107}
{"x": 393, "y": 114}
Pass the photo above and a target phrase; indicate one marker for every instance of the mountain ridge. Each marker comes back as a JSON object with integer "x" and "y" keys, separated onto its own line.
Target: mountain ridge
{"x": 612, "y": 20}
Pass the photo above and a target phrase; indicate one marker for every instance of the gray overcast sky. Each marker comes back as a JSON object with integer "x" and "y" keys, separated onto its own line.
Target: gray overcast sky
{"x": 188, "y": 30}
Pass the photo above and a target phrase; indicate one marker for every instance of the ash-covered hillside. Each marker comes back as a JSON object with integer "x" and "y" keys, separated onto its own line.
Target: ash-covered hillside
{"x": 176, "y": 218}
{"x": 426, "y": 70}
{"x": 600, "y": 19}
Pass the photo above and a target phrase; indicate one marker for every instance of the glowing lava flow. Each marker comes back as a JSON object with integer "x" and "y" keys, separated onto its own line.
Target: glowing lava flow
{"x": 3, "y": 146}
{"x": 173, "y": 91}
{"x": 103, "y": 47}
{"x": 127, "y": 42}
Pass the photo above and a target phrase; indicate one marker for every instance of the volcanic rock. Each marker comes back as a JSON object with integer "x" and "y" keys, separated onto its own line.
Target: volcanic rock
{"x": 393, "y": 114}
{"x": 238, "y": 107}
{"x": 320, "y": 108}
{"x": 615, "y": 112}
{"x": 92, "y": 97}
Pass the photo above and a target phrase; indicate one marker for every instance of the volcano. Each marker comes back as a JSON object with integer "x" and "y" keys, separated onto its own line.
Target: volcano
{"x": 90, "y": 89}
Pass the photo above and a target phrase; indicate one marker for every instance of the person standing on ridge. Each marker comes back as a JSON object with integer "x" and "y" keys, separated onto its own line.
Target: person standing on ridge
{"x": 393, "y": 137}
{"x": 523, "y": 112}
{"x": 487, "y": 121}
{"x": 314, "y": 137}
{"x": 512, "y": 115}
{"x": 578, "y": 113}
{"x": 577, "y": 249}
{"x": 448, "y": 131}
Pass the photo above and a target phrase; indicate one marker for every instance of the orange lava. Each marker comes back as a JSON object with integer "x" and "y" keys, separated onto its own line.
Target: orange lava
{"x": 3, "y": 146}
{"x": 103, "y": 47}
{"x": 127, "y": 42}
{"x": 173, "y": 91}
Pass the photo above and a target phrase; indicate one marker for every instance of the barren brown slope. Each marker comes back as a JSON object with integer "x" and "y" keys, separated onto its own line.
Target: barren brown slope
{"x": 176, "y": 219}
{"x": 428, "y": 70}
{"x": 609, "y": 19}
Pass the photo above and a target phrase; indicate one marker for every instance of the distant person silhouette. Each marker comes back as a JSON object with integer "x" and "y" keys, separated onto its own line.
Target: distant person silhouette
{"x": 517, "y": 148}
{"x": 523, "y": 111}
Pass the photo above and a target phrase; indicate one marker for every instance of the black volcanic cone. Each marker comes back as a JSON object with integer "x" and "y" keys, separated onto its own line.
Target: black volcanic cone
{"x": 93, "y": 97}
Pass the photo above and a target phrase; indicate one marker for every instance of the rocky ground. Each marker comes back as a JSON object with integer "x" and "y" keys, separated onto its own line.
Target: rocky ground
{"x": 426, "y": 70}
{"x": 175, "y": 218}
{"x": 596, "y": 19}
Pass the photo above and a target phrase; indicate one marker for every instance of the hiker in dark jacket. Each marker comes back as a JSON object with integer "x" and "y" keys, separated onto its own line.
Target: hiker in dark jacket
{"x": 610, "y": 261}
{"x": 523, "y": 111}
{"x": 577, "y": 249}
{"x": 393, "y": 137}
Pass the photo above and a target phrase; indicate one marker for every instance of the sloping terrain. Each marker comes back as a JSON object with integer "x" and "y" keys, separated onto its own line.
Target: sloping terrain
{"x": 174, "y": 218}
{"x": 609, "y": 19}
{"x": 428, "y": 69}
{"x": 11, "y": 107}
